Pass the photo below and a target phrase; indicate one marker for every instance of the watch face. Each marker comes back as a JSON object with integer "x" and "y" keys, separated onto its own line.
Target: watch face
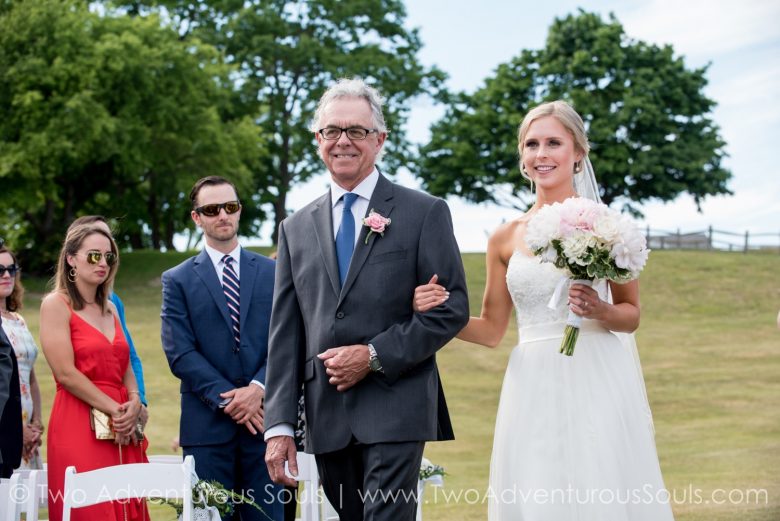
{"x": 374, "y": 365}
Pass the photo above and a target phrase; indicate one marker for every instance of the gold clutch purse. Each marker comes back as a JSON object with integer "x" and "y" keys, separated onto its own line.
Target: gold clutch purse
{"x": 101, "y": 424}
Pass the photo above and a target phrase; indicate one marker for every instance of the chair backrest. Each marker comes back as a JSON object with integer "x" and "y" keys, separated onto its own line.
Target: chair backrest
{"x": 166, "y": 458}
{"x": 131, "y": 481}
{"x": 309, "y": 498}
{"x": 15, "y": 496}
{"x": 5, "y": 497}
{"x": 38, "y": 493}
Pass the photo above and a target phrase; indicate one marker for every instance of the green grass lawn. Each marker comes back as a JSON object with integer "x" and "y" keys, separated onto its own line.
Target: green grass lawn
{"x": 711, "y": 356}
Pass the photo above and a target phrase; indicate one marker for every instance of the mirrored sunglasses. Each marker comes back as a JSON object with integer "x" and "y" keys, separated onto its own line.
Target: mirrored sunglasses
{"x": 94, "y": 256}
{"x": 212, "y": 210}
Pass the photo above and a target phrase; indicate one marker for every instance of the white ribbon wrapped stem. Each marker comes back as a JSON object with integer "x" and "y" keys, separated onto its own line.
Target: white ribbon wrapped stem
{"x": 563, "y": 286}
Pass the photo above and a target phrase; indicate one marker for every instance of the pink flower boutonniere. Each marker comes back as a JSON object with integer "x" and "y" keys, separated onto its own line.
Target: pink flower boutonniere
{"x": 376, "y": 223}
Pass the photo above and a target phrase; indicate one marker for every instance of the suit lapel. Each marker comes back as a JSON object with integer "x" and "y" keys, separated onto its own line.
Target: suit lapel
{"x": 246, "y": 277}
{"x": 205, "y": 270}
{"x": 381, "y": 203}
{"x": 323, "y": 225}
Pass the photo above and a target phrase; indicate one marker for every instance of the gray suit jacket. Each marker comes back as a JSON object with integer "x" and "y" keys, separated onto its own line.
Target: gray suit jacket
{"x": 310, "y": 315}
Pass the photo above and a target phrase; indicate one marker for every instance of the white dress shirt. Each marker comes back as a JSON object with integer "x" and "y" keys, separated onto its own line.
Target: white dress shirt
{"x": 359, "y": 208}
{"x": 219, "y": 266}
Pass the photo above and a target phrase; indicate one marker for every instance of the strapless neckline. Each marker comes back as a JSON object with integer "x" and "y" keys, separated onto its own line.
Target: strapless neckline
{"x": 531, "y": 283}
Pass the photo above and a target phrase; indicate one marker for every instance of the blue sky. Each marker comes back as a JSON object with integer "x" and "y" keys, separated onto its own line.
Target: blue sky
{"x": 741, "y": 41}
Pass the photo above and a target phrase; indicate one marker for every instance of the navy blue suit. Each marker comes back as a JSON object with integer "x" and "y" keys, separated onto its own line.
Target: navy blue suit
{"x": 198, "y": 342}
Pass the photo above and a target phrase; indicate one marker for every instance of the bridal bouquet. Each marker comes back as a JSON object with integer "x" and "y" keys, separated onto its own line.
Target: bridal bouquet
{"x": 428, "y": 470}
{"x": 588, "y": 241}
{"x": 211, "y": 500}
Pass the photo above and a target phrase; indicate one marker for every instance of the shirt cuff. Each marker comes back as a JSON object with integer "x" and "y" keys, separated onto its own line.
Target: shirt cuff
{"x": 258, "y": 383}
{"x": 283, "y": 429}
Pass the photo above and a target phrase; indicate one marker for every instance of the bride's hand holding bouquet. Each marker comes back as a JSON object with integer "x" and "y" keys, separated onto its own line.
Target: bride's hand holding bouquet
{"x": 587, "y": 241}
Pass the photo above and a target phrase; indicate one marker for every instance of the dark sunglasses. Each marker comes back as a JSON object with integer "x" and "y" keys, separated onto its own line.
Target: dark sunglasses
{"x": 11, "y": 269}
{"x": 94, "y": 256}
{"x": 212, "y": 210}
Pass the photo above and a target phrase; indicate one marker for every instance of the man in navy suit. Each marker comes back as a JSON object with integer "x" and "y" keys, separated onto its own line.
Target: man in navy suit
{"x": 216, "y": 309}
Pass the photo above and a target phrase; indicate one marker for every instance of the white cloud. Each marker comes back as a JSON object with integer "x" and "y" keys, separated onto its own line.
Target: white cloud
{"x": 704, "y": 28}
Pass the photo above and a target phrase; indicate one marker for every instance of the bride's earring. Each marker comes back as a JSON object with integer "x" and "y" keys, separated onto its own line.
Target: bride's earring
{"x": 577, "y": 167}
{"x": 72, "y": 275}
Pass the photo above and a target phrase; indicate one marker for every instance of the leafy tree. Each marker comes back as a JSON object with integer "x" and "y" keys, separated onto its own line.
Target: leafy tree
{"x": 648, "y": 120}
{"x": 288, "y": 52}
{"x": 110, "y": 115}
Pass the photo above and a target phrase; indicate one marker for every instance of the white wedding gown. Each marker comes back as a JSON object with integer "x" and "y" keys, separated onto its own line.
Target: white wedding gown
{"x": 574, "y": 437}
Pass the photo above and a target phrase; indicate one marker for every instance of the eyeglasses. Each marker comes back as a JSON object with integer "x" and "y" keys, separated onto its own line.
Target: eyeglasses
{"x": 353, "y": 133}
{"x": 11, "y": 269}
{"x": 94, "y": 256}
{"x": 212, "y": 210}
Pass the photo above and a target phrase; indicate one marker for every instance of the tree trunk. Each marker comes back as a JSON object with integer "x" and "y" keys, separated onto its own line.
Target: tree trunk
{"x": 153, "y": 208}
{"x": 67, "y": 210}
{"x": 280, "y": 209}
{"x": 280, "y": 212}
{"x": 170, "y": 230}
{"x": 136, "y": 240}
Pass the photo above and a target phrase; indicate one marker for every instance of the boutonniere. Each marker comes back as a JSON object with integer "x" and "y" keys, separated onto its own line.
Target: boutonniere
{"x": 377, "y": 224}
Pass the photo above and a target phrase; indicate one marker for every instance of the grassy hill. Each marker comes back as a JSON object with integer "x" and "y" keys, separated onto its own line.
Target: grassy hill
{"x": 711, "y": 356}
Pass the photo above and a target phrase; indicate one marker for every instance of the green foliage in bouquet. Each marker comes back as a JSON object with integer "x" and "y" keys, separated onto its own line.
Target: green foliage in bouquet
{"x": 595, "y": 264}
{"x": 211, "y": 493}
{"x": 428, "y": 469}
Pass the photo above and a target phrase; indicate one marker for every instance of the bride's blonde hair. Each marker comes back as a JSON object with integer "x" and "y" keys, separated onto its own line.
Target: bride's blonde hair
{"x": 567, "y": 117}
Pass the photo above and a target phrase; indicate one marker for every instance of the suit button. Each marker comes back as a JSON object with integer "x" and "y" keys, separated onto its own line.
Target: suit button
{"x": 340, "y": 314}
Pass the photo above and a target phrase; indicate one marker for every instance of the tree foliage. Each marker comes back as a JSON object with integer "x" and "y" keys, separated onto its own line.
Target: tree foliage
{"x": 288, "y": 52}
{"x": 648, "y": 120}
{"x": 111, "y": 115}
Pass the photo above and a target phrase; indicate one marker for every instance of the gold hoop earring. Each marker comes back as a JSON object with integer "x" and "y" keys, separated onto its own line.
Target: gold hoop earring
{"x": 72, "y": 275}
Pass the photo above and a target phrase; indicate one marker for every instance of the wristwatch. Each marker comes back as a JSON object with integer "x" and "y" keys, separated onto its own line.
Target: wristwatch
{"x": 373, "y": 360}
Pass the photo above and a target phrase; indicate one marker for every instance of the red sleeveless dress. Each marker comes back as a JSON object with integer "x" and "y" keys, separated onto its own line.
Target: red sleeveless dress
{"x": 70, "y": 439}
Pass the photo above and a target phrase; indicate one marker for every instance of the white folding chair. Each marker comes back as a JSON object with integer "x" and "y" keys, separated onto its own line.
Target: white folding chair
{"x": 38, "y": 494}
{"x": 166, "y": 458}
{"x": 15, "y": 495}
{"x": 309, "y": 498}
{"x": 5, "y": 497}
{"x": 436, "y": 481}
{"x": 131, "y": 481}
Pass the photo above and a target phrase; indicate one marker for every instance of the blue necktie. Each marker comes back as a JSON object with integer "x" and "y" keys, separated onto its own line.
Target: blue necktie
{"x": 345, "y": 237}
{"x": 230, "y": 286}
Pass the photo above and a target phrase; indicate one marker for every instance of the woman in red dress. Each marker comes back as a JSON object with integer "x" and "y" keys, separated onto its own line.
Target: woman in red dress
{"x": 87, "y": 352}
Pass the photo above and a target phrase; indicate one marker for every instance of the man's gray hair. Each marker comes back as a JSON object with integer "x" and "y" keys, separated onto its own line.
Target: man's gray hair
{"x": 351, "y": 88}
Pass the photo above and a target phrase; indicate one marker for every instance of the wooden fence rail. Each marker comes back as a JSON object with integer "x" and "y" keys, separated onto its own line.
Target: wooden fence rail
{"x": 712, "y": 239}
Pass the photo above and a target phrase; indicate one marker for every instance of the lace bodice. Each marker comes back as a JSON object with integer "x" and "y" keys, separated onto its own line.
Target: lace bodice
{"x": 531, "y": 284}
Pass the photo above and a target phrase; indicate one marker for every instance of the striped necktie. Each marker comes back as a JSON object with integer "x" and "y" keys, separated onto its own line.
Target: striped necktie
{"x": 232, "y": 295}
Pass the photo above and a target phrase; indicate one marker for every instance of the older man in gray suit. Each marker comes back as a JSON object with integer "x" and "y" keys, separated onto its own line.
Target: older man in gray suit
{"x": 343, "y": 325}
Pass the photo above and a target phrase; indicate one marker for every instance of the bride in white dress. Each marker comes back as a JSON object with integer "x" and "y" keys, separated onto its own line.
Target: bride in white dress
{"x": 574, "y": 437}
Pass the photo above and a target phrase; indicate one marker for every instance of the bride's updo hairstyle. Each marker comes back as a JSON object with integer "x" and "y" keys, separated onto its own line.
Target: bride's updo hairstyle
{"x": 567, "y": 117}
